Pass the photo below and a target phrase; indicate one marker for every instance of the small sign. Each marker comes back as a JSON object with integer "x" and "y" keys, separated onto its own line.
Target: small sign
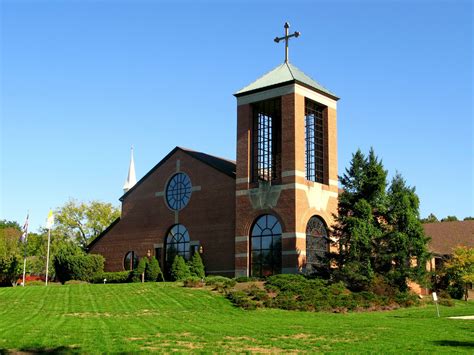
{"x": 435, "y": 297}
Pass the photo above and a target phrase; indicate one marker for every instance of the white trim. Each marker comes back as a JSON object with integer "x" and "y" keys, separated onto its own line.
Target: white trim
{"x": 293, "y": 173}
{"x": 266, "y": 94}
{"x": 178, "y": 165}
{"x": 290, "y": 235}
{"x": 242, "y": 255}
{"x": 242, "y": 180}
{"x": 241, "y": 192}
{"x": 176, "y": 216}
{"x": 315, "y": 96}
{"x": 195, "y": 188}
{"x": 159, "y": 245}
{"x": 333, "y": 182}
{"x": 242, "y": 239}
{"x": 160, "y": 194}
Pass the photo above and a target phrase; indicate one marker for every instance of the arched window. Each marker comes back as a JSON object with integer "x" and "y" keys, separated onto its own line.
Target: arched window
{"x": 266, "y": 246}
{"x": 177, "y": 243}
{"x": 317, "y": 243}
{"x": 130, "y": 261}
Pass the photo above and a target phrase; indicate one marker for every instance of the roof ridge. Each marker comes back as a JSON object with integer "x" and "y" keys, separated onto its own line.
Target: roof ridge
{"x": 289, "y": 68}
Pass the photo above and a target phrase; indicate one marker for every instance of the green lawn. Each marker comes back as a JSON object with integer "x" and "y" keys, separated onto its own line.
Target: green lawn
{"x": 166, "y": 317}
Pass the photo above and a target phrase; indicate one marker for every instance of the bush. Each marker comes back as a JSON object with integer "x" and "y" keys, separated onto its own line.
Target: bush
{"x": 113, "y": 277}
{"x": 179, "y": 269}
{"x": 71, "y": 263}
{"x": 220, "y": 283}
{"x": 196, "y": 266}
{"x": 153, "y": 270}
{"x": 242, "y": 300}
{"x": 193, "y": 281}
{"x": 140, "y": 270}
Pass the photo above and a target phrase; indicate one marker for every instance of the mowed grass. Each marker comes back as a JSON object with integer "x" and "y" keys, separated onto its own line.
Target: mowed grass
{"x": 167, "y": 317}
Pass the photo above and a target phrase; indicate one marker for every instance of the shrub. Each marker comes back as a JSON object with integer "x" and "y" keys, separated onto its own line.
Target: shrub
{"x": 193, "y": 281}
{"x": 113, "y": 277}
{"x": 71, "y": 263}
{"x": 140, "y": 270}
{"x": 242, "y": 300}
{"x": 153, "y": 270}
{"x": 196, "y": 266}
{"x": 220, "y": 283}
{"x": 179, "y": 269}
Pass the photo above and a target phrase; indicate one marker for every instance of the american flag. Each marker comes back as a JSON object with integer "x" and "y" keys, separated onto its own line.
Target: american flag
{"x": 24, "y": 235}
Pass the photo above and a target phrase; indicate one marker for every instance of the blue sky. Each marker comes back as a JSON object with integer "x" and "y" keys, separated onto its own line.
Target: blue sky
{"x": 82, "y": 81}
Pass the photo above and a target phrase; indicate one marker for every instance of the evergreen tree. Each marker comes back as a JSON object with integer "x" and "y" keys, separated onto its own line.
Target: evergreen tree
{"x": 140, "y": 269}
{"x": 430, "y": 219}
{"x": 403, "y": 253}
{"x": 153, "y": 270}
{"x": 358, "y": 229}
{"x": 179, "y": 269}
{"x": 196, "y": 266}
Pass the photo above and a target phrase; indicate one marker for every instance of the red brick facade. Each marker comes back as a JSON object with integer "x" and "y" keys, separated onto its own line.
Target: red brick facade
{"x": 221, "y": 212}
{"x": 146, "y": 218}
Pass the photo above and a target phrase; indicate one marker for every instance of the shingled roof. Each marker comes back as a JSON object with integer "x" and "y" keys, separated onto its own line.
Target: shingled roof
{"x": 445, "y": 236}
{"x": 225, "y": 166}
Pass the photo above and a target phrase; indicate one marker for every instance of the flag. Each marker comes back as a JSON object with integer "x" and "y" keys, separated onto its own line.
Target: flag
{"x": 24, "y": 234}
{"x": 50, "y": 220}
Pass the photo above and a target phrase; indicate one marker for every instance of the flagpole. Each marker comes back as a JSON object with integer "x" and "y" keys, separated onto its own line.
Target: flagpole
{"x": 24, "y": 269}
{"x": 47, "y": 256}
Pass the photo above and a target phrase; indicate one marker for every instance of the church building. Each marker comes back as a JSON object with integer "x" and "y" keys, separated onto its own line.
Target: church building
{"x": 266, "y": 213}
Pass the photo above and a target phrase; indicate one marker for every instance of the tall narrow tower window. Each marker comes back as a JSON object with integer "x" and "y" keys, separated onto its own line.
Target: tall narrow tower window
{"x": 314, "y": 141}
{"x": 266, "y": 140}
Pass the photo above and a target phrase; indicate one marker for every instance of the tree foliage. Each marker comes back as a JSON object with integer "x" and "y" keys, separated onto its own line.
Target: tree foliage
{"x": 10, "y": 255}
{"x": 430, "y": 219}
{"x": 153, "y": 270}
{"x": 377, "y": 231}
{"x": 196, "y": 266}
{"x": 72, "y": 263}
{"x": 460, "y": 268}
{"x": 83, "y": 222}
{"x": 179, "y": 269}
{"x": 449, "y": 219}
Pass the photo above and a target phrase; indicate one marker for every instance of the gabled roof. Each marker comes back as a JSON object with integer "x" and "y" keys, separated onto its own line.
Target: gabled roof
{"x": 104, "y": 232}
{"x": 284, "y": 74}
{"x": 225, "y": 166}
{"x": 445, "y": 236}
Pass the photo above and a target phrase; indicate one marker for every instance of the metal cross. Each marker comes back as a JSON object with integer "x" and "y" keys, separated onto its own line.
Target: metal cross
{"x": 287, "y": 38}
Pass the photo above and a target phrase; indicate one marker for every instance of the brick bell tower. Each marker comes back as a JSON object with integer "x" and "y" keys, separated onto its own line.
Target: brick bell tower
{"x": 286, "y": 183}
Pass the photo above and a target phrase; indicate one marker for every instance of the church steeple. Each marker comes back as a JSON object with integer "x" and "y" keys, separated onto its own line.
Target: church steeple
{"x": 131, "y": 178}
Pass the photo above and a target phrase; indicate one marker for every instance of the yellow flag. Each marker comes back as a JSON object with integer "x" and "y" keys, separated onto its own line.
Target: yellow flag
{"x": 50, "y": 220}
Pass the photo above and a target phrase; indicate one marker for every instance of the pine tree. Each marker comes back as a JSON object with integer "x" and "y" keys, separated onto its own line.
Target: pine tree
{"x": 196, "y": 266}
{"x": 358, "y": 229}
{"x": 403, "y": 252}
{"x": 153, "y": 270}
{"x": 179, "y": 269}
{"x": 140, "y": 269}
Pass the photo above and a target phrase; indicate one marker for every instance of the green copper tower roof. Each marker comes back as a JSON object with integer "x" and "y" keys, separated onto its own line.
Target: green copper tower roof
{"x": 284, "y": 74}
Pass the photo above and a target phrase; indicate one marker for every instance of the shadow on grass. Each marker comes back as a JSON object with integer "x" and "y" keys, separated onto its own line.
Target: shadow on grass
{"x": 42, "y": 350}
{"x": 456, "y": 343}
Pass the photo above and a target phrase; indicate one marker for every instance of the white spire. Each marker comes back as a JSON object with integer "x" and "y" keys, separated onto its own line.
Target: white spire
{"x": 131, "y": 178}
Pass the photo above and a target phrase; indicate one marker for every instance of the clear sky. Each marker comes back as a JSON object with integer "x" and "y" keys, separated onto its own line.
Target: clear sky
{"x": 82, "y": 81}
